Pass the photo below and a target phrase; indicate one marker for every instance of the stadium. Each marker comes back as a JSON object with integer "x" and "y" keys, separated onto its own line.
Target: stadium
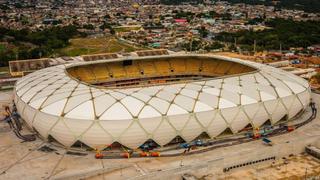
{"x": 156, "y": 98}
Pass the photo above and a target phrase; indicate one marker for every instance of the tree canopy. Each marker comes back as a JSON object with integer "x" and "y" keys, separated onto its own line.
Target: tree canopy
{"x": 288, "y": 33}
{"x": 28, "y": 44}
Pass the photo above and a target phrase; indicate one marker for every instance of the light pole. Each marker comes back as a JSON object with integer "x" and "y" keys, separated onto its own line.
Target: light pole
{"x": 121, "y": 170}
{"x": 181, "y": 164}
{"x": 306, "y": 174}
{"x": 254, "y": 46}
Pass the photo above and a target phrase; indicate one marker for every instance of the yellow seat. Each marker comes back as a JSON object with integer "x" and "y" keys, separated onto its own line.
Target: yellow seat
{"x": 148, "y": 68}
{"x": 236, "y": 68}
{"x": 85, "y": 74}
{"x": 209, "y": 66}
{"x": 178, "y": 65}
{"x": 73, "y": 73}
{"x": 132, "y": 70}
{"x": 117, "y": 70}
{"x": 193, "y": 65}
{"x": 246, "y": 69}
{"x": 163, "y": 67}
{"x": 101, "y": 72}
{"x": 166, "y": 67}
{"x": 223, "y": 67}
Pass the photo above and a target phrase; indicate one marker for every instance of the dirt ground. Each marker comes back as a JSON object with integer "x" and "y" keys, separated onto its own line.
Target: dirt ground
{"x": 295, "y": 167}
{"x": 82, "y": 46}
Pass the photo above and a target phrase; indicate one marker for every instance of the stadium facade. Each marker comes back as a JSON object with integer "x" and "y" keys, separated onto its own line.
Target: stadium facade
{"x": 158, "y": 97}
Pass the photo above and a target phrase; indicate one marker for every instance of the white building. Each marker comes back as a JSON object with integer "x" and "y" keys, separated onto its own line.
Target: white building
{"x": 231, "y": 94}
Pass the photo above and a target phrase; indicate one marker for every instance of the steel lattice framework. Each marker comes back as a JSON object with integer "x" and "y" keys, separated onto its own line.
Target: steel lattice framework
{"x": 54, "y": 104}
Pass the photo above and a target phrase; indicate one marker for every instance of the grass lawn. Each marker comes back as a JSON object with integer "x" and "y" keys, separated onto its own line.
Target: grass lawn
{"x": 82, "y": 46}
{"x": 4, "y": 69}
{"x": 126, "y": 29}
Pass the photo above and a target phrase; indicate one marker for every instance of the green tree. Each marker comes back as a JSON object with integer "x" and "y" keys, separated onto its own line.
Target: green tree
{"x": 203, "y": 32}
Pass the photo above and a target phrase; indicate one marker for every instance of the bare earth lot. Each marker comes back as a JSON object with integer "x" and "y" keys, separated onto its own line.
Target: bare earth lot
{"x": 81, "y": 46}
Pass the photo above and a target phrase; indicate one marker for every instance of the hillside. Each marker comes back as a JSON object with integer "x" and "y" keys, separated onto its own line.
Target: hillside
{"x": 177, "y": 2}
{"x": 306, "y": 5}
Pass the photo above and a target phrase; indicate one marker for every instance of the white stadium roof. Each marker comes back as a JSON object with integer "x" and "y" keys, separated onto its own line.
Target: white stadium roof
{"x": 69, "y": 110}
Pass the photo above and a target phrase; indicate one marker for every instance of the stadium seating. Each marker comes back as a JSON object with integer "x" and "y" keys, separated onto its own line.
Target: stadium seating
{"x": 132, "y": 70}
{"x": 178, "y": 65}
{"x": 223, "y": 67}
{"x": 101, "y": 72}
{"x": 193, "y": 65}
{"x": 85, "y": 74}
{"x": 96, "y": 57}
{"x": 234, "y": 69}
{"x": 245, "y": 69}
{"x": 117, "y": 70}
{"x": 73, "y": 73}
{"x": 164, "y": 69}
{"x": 152, "y": 52}
{"x": 148, "y": 68}
{"x": 209, "y": 66}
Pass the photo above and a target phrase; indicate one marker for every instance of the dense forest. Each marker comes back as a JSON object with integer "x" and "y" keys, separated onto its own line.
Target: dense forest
{"x": 26, "y": 44}
{"x": 288, "y": 33}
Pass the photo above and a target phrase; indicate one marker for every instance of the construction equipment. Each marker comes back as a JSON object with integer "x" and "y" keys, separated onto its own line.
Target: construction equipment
{"x": 148, "y": 146}
{"x": 144, "y": 154}
{"x": 126, "y": 155}
{"x": 290, "y": 128}
{"x": 99, "y": 155}
{"x": 197, "y": 142}
{"x": 256, "y": 136}
{"x": 267, "y": 141}
{"x": 13, "y": 120}
{"x": 184, "y": 145}
{"x": 267, "y": 130}
{"x": 155, "y": 154}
